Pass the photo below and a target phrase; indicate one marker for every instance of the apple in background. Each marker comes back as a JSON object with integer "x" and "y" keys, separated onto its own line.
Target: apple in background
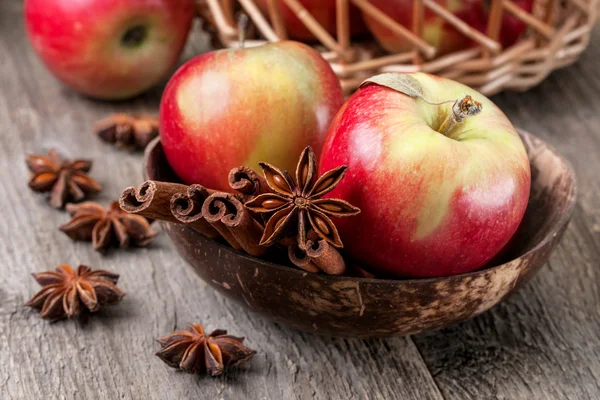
{"x": 109, "y": 49}
{"x": 236, "y": 107}
{"x": 431, "y": 204}
{"x": 324, "y": 11}
{"x": 437, "y": 31}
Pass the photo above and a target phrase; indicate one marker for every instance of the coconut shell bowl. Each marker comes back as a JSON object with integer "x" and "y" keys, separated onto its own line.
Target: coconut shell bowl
{"x": 363, "y": 307}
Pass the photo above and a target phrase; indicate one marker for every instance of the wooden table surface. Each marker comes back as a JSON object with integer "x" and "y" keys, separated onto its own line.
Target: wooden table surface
{"x": 541, "y": 343}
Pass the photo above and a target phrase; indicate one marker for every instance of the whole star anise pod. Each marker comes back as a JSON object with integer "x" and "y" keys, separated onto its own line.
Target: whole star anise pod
{"x": 65, "y": 180}
{"x": 299, "y": 204}
{"x": 105, "y": 227}
{"x": 65, "y": 292}
{"x": 193, "y": 351}
{"x": 128, "y": 131}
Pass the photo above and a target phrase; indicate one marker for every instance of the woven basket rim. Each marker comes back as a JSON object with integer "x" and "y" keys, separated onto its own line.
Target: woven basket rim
{"x": 557, "y": 33}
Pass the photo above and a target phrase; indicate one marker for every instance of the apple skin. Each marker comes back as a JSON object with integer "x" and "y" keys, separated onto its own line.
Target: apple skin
{"x": 439, "y": 33}
{"x": 324, "y": 11}
{"x": 431, "y": 205}
{"x": 81, "y": 42}
{"x": 236, "y": 107}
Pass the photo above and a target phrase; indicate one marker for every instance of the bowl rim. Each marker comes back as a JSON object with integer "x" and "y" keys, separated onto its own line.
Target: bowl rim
{"x": 564, "y": 219}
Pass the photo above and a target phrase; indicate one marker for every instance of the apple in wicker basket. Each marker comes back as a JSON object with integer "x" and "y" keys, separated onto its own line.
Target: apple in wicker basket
{"x": 324, "y": 12}
{"x": 437, "y": 31}
{"x": 234, "y": 107}
{"x": 109, "y": 49}
{"x": 439, "y": 172}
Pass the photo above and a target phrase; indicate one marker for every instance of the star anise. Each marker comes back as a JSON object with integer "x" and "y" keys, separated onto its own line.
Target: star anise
{"x": 65, "y": 292}
{"x": 65, "y": 180}
{"x": 128, "y": 131}
{"x": 105, "y": 227}
{"x": 193, "y": 351}
{"x": 298, "y": 205}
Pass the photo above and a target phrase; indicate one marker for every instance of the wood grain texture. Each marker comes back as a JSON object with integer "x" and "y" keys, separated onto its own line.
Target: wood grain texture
{"x": 111, "y": 356}
{"x": 543, "y": 343}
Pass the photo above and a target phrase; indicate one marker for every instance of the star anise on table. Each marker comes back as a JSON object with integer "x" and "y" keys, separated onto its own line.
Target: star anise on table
{"x": 127, "y": 131}
{"x": 193, "y": 351}
{"x": 65, "y": 180}
{"x": 298, "y": 205}
{"x": 105, "y": 227}
{"x": 66, "y": 293}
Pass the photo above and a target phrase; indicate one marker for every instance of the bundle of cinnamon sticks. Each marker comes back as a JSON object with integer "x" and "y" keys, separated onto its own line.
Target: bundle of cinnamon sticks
{"x": 217, "y": 214}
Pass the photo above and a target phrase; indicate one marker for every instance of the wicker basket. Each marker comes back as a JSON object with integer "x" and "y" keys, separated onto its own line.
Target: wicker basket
{"x": 558, "y": 31}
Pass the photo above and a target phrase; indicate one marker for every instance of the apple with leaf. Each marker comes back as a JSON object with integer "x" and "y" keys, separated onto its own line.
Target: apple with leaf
{"x": 440, "y": 174}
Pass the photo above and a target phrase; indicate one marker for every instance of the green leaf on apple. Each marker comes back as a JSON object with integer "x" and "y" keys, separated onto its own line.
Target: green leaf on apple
{"x": 402, "y": 83}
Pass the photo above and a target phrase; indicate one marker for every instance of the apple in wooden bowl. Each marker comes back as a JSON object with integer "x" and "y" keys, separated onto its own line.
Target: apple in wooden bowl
{"x": 364, "y": 307}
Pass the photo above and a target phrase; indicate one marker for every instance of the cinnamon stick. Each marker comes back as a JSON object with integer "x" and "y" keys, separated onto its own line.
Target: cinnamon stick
{"x": 320, "y": 255}
{"x": 228, "y": 215}
{"x": 300, "y": 259}
{"x": 151, "y": 199}
{"x": 247, "y": 183}
{"x": 187, "y": 208}
{"x": 213, "y": 211}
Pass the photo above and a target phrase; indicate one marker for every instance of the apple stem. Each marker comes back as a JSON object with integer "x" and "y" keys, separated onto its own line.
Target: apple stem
{"x": 462, "y": 109}
{"x": 242, "y": 27}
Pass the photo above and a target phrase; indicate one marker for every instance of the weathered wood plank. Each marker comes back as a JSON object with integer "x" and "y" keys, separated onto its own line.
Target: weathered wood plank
{"x": 542, "y": 343}
{"x": 112, "y": 356}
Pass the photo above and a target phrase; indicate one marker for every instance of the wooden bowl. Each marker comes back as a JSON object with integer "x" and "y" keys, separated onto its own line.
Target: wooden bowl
{"x": 360, "y": 307}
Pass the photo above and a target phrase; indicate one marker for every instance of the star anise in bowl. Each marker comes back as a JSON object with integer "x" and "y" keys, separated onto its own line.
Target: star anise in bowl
{"x": 66, "y": 293}
{"x": 194, "y": 351}
{"x": 65, "y": 180}
{"x": 107, "y": 227}
{"x": 298, "y": 207}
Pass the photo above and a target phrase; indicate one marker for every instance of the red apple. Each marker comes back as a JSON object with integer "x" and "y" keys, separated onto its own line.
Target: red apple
{"x": 431, "y": 204}
{"x": 109, "y": 49}
{"x": 437, "y": 31}
{"x": 324, "y": 11}
{"x": 236, "y": 107}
